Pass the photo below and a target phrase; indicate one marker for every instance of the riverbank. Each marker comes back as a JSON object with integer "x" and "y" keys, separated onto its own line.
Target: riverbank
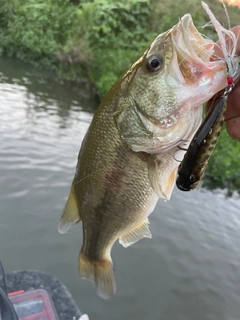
{"x": 93, "y": 41}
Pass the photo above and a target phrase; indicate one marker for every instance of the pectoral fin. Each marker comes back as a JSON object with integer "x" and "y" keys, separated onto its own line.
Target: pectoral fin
{"x": 141, "y": 231}
{"x": 70, "y": 214}
{"x": 162, "y": 172}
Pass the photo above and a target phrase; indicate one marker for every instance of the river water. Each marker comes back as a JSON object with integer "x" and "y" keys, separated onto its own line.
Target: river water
{"x": 190, "y": 270}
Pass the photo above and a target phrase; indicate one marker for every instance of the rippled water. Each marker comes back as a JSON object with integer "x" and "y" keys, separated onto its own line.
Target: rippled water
{"x": 190, "y": 270}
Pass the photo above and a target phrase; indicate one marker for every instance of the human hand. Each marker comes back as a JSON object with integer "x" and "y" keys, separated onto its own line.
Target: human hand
{"x": 232, "y": 114}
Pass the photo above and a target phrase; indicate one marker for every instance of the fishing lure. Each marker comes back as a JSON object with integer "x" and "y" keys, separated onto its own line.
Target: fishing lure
{"x": 195, "y": 161}
{"x": 201, "y": 147}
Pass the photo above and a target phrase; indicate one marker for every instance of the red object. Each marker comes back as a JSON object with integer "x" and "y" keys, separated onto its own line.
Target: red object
{"x": 230, "y": 80}
{"x": 33, "y": 305}
{"x": 10, "y": 294}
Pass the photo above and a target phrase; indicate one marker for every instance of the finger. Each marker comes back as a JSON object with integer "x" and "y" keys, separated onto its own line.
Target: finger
{"x": 233, "y": 127}
{"x": 233, "y": 104}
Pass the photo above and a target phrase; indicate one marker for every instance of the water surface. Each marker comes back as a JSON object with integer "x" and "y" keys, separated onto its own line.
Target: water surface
{"x": 190, "y": 270}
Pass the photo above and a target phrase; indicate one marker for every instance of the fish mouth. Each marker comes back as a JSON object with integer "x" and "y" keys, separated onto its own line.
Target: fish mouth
{"x": 191, "y": 54}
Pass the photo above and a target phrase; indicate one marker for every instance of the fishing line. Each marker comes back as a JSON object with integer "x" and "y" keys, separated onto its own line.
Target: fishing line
{"x": 39, "y": 214}
{"x": 180, "y": 149}
{"x": 174, "y": 157}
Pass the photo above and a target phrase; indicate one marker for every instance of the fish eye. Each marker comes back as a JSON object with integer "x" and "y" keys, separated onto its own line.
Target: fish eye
{"x": 154, "y": 63}
{"x": 192, "y": 178}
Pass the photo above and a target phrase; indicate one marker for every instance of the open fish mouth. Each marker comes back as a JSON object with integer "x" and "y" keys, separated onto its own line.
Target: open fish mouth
{"x": 191, "y": 52}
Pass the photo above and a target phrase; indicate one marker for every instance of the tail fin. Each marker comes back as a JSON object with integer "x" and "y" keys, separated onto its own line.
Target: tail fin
{"x": 101, "y": 272}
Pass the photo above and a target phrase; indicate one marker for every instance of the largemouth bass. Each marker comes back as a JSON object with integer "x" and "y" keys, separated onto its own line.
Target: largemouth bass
{"x": 126, "y": 161}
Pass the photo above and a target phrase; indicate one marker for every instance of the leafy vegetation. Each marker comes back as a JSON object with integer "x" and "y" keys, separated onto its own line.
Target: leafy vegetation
{"x": 93, "y": 39}
{"x": 223, "y": 170}
{"x": 99, "y": 39}
{"x": 118, "y": 40}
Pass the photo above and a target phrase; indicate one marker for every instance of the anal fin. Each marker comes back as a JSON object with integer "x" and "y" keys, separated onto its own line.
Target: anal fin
{"x": 139, "y": 232}
{"x": 70, "y": 215}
